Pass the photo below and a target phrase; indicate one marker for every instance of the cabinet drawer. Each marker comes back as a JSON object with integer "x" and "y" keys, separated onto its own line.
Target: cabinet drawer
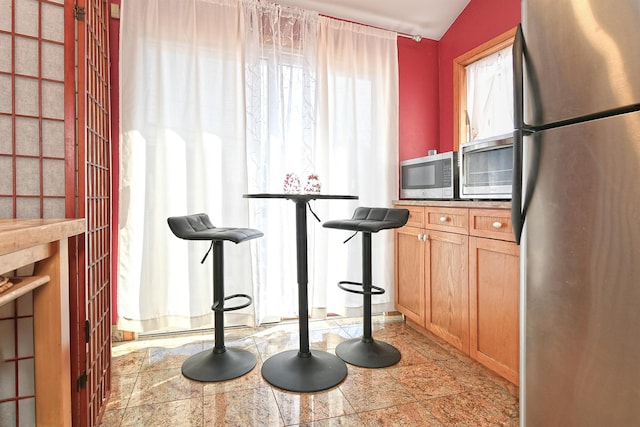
{"x": 491, "y": 223}
{"x": 455, "y": 220}
{"x": 416, "y": 215}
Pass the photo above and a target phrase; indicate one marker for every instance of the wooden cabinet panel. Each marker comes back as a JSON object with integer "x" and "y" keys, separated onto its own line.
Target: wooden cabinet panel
{"x": 409, "y": 271}
{"x": 491, "y": 223}
{"x": 416, "y": 216}
{"x": 494, "y": 273}
{"x": 454, "y": 220}
{"x": 447, "y": 311}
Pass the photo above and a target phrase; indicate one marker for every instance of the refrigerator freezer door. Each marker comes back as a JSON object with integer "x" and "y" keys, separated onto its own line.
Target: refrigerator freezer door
{"x": 582, "y": 280}
{"x": 581, "y": 57}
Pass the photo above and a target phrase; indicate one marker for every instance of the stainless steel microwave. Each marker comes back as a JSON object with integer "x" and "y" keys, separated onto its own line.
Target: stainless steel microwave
{"x": 486, "y": 168}
{"x": 430, "y": 177}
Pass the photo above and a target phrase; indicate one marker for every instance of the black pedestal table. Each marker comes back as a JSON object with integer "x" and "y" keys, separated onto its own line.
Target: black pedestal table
{"x": 303, "y": 370}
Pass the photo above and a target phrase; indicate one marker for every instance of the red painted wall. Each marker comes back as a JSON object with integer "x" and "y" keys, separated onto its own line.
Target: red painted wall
{"x": 419, "y": 97}
{"x": 479, "y": 22}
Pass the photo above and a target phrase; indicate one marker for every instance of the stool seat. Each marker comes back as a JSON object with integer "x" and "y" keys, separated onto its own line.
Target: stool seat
{"x": 371, "y": 220}
{"x": 199, "y": 227}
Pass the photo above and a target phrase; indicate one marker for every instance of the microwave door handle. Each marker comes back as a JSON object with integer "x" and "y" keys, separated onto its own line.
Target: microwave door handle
{"x": 476, "y": 146}
{"x": 517, "y": 215}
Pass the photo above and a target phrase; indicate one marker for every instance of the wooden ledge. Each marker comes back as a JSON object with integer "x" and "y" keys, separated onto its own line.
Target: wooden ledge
{"x": 22, "y": 286}
{"x": 18, "y": 234}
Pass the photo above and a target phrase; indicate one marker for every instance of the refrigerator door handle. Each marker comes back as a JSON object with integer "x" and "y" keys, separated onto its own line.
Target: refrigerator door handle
{"x": 517, "y": 215}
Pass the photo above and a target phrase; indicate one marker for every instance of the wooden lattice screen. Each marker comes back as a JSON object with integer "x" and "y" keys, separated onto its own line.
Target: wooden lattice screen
{"x": 94, "y": 170}
{"x": 33, "y": 161}
{"x": 52, "y": 166}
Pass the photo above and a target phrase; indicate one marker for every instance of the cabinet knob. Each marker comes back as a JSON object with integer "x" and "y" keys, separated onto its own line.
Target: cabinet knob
{"x": 443, "y": 219}
{"x": 497, "y": 224}
{"x": 419, "y": 236}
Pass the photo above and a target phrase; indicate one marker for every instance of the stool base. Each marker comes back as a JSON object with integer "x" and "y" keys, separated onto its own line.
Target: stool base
{"x": 313, "y": 371}
{"x": 368, "y": 354}
{"x": 208, "y": 366}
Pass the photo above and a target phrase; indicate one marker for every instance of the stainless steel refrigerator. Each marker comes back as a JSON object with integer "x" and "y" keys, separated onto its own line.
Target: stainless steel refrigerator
{"x": 577, "y": 197}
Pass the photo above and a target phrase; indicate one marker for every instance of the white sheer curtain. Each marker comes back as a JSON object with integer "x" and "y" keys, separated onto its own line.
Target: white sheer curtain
{"x": 490, "y": 95}
{"x": 182, "y": 152}
{"x": 357, "y": 152}
{"x": 323, "y": 99}
{"x": 281, "y": 103}
{"x": 224, "y": 97}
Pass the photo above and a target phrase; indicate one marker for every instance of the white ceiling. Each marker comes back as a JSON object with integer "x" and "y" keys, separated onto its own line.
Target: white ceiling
{"x": 425, "y": 18}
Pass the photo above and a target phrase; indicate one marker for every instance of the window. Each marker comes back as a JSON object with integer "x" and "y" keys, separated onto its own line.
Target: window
{"x": 489, "y": 103}
{"x": 494, "y": 54}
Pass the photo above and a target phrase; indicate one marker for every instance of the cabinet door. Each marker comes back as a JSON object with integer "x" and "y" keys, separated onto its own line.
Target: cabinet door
{"x": 494, "y": 277}
{"x": 409, "y": 286}
{"x": 447, "y": 285}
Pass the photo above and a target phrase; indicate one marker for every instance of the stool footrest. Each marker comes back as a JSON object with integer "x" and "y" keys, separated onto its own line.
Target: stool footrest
{"x": 216, "y": 305}
{"x": 375, "y": 290}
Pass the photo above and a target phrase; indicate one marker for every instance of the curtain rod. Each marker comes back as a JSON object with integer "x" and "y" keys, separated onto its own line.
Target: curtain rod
{"x": 415, "y": 38}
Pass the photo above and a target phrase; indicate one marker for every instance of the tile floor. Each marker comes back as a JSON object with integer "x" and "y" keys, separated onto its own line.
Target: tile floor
{"x": 433, "y": 384}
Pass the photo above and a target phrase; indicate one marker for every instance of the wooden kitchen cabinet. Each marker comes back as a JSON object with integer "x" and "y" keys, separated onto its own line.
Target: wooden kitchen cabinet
{"x": 431, "y": 272}
{"x": 494, "y": 277}
{"x": 457, "y": 276}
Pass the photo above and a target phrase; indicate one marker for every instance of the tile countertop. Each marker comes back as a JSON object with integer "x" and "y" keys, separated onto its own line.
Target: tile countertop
{"x": 487, "y": 204}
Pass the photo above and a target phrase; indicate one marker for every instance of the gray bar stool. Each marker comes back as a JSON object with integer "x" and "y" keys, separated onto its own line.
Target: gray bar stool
{"x": 220, "y": 363}
{"x": 365, "y": 351}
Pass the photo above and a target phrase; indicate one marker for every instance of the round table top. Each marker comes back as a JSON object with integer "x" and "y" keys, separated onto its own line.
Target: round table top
{"x": 298, "y": 196}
